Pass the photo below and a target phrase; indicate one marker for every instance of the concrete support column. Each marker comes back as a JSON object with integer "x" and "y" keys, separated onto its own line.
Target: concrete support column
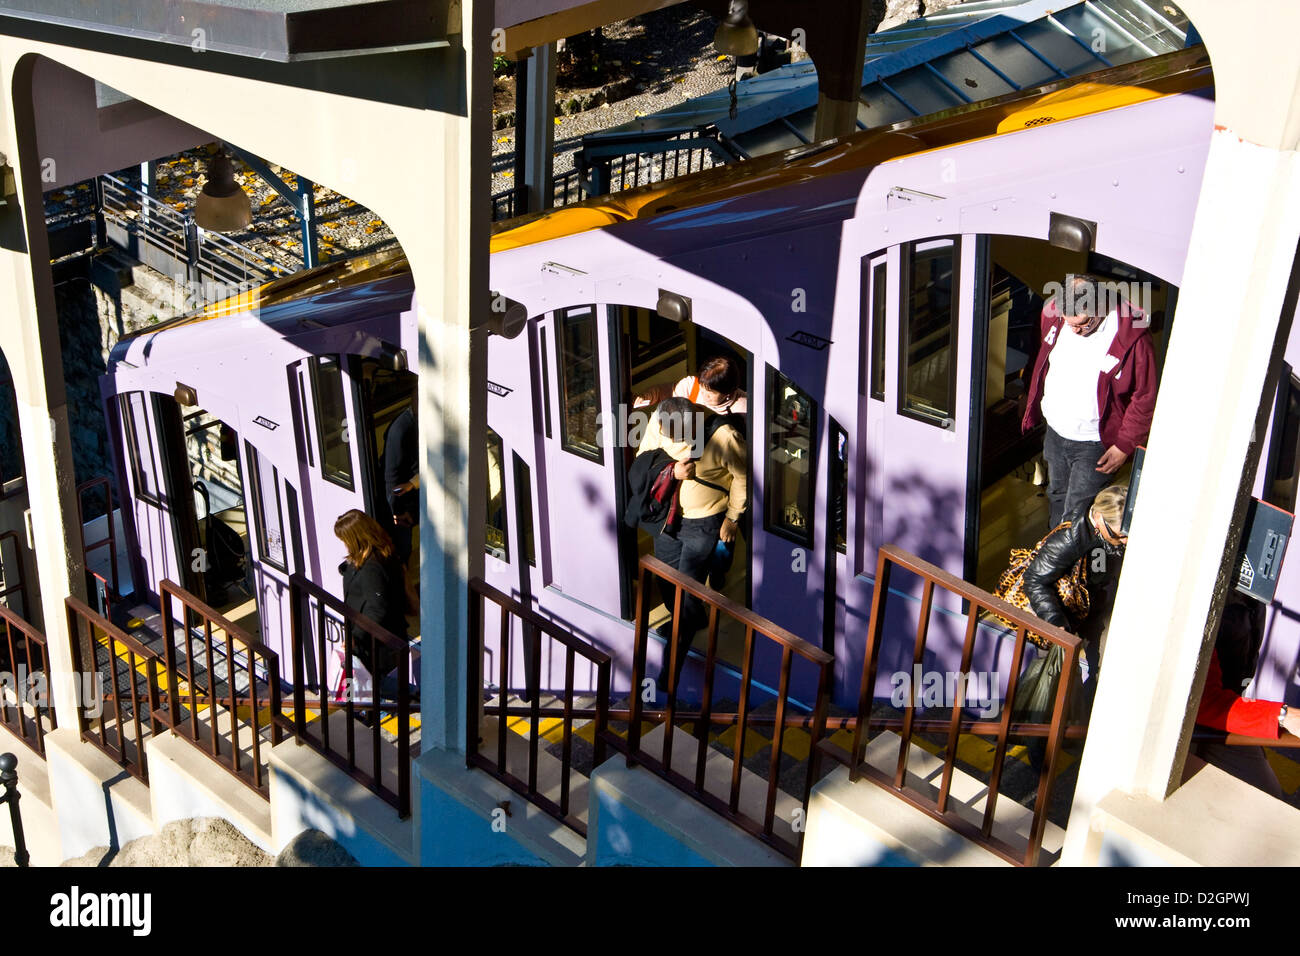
{"x": 838, "y": 46}
{"x": 1190, "y": 503}
{"x": 35, "y": 359}
{"x": 538, "y": 140}
{"x": 451, "y": 283}
{"x": 1234, "y": 310}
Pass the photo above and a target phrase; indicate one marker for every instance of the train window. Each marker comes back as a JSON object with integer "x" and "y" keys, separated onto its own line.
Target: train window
{"x": 839, "y": 486}
{"x": 579, "y": 382}
{"x": 332, "y": 429}
{"x": 495, "y": 530}
{"x": 11, "y": 450}
{"x": 524, "y": 492}
{"x": 873, "y": 313}
{"x": 139, "y": 449}
{"x": 1284, "y": 453}
{"x": 546, "y": 383}
{"x": 928, "y": 384}
{"x": 265, "y": 487}
{"x": 789, "y": 486}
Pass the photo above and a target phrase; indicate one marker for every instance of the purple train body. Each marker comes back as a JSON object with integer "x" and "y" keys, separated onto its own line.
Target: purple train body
{"x": 867, "y": 306}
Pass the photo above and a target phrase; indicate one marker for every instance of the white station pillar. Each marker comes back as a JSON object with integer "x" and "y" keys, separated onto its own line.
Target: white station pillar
{"x": 1230, "y": 315}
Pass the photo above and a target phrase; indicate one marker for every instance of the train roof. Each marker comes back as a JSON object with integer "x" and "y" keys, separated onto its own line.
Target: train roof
{"x": 333, "y": 292}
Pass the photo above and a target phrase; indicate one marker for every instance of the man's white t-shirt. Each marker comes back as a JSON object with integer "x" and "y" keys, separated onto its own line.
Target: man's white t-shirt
{"x": 1070, "y": 389}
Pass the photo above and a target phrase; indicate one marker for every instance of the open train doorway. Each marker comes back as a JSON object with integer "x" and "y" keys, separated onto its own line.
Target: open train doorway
{"x": 1008, "y": 473}
{"x": 659, "y": 358}
{"x": 391, "y": 456}
{"x": 219, "y": 519}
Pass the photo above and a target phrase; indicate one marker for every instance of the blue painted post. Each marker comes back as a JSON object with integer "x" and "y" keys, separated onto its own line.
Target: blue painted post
{"x": 307, "y": 211}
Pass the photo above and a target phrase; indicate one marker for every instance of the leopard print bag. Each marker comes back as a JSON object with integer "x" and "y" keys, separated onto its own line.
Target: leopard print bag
{"x": 1072, "y": 587}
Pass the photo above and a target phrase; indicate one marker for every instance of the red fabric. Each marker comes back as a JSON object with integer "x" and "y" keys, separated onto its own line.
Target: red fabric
{"x": 1126, "y": 395}
{"x": 1222, "y": 708}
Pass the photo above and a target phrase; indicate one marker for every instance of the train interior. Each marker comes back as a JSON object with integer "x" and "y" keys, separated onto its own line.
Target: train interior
{"x": 1013, "y": 479}
{"x": 656, "y": 354}
{"x": 220, "y": 518}
{"x": 385, "y": 394}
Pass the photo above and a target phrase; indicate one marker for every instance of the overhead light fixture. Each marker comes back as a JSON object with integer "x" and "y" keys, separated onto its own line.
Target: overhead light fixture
{"x": 222, "y": 206}
{"x": 736, "y": 35}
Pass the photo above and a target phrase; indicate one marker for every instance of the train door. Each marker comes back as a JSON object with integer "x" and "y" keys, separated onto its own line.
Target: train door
{"x": 146, "y": 417}
{"x": 919, "y": 486}
{"x": 1009, "y": 500}
{"x": 582, "y": 468}
{"x": 272, "y": 506}
{"x": 390, "y": 455}
{"x": 654, "y": 354}
{"x": 332, "y": 482}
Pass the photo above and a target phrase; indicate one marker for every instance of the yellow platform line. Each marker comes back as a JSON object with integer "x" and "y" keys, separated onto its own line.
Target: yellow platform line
{"x": 1286, "y": 770}
{"x": 243, "y": 712}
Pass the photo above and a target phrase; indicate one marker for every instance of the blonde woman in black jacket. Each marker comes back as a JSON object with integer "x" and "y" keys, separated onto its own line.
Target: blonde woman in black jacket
{"x": 1094, "y": 537}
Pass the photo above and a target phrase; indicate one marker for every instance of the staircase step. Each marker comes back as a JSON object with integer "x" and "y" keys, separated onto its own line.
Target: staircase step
{"x": 550, "y": 769}
{"x": 966, "y": 796}
{"x": 717, "y": 780}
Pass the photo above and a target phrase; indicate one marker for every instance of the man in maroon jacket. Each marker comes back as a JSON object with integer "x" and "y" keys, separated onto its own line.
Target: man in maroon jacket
{"x": 1094, "y": 382}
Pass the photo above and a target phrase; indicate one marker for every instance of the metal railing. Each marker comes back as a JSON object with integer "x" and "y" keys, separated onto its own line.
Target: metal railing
{"x": 614, "y": 162}
{"x": 210, "y": 263}
{"x": 304, "y": 596}
{"x": 625, "y": 161}
{"x": 756, "y": 629}
{"x": 932, "y": 576}
{"x": 12, "y": 568}
{"x": 568, "y": 187}
{"x": 195, "y": 700}
{"x": 533, "y": 628}
{"x": 23, "y": 670}
{"x": 133, "y": 698}
{"x": 110, "y": 541}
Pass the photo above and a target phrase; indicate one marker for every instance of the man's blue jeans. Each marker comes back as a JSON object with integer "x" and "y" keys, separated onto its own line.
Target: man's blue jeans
{"x": 1072, "y": 475}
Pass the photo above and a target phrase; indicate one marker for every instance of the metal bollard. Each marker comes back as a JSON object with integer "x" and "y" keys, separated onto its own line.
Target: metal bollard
{"x": 9, "y": 778}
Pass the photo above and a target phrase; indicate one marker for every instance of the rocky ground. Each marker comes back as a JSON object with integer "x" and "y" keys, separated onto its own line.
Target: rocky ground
{"x": 208, "y": 841}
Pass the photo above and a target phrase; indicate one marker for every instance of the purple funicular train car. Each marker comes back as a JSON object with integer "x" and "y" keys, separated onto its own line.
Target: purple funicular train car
{"x": 881, "y": 295}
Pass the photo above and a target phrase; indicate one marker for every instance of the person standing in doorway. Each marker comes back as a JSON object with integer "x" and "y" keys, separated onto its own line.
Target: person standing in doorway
{"x": 712, "y": 465}
{"x": 1094, "y": 383}
{"x": 402, "y": 478}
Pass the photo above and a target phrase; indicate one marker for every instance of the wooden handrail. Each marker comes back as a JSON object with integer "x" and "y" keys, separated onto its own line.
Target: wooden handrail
{"x": 534, "y": 628}
{"x": 1024, "y": 623}
{"x": 372, "y": 780}
{"x": 986, "y": 600}
{"x": 736, "y": 611}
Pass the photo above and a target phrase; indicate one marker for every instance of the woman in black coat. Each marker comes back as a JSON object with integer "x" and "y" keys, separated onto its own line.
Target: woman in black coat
{"x": 1094, "y": 537}
{"x": 374, "y": 585}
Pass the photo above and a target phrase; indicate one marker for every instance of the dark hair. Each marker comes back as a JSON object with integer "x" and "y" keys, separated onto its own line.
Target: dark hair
{"x": 363, "y": 536}
{"x": 674, "y": 414}
{"x": 1079, "y": 295}
{"x": 719, "y": 374}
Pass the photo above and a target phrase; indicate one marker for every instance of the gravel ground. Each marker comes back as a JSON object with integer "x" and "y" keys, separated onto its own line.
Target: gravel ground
{"x": 672, "y": 55}
{"x": 669, "y": 52}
